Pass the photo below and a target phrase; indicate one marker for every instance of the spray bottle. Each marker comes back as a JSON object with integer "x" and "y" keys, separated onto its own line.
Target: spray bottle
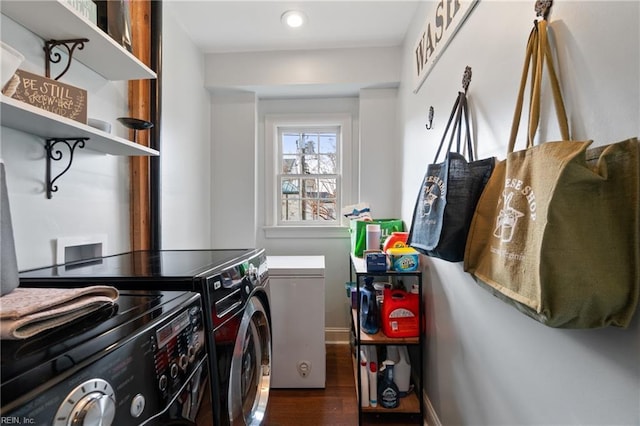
{"x": 387, "y": 390}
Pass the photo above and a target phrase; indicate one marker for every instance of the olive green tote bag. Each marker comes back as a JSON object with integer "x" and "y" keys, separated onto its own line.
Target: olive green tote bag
{"x": 556, "y": 230}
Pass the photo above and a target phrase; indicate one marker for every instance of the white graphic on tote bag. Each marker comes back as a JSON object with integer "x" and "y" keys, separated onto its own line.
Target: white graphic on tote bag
{"x": 429, "y": 196}
{"x": 507, "y": 220}
{"x": 427, "y": 203}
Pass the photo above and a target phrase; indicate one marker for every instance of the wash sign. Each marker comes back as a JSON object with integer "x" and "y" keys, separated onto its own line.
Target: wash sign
{"x": 437, "y": 32}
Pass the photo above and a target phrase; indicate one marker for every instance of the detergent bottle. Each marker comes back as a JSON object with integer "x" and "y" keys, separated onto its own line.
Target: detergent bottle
{"x": 369, "y": 314}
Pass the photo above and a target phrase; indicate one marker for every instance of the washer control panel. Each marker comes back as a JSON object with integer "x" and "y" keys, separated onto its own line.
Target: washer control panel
{"x": 117, "y": 386}
{"x": 176, "y": 347}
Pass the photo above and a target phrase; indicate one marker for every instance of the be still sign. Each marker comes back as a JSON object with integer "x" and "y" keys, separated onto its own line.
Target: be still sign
{"x": 438, "y": 31}
{"x": 52, "y": 95}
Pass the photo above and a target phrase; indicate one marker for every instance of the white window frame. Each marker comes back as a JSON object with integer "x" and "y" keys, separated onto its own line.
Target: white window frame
{"x": 274, "y": 228}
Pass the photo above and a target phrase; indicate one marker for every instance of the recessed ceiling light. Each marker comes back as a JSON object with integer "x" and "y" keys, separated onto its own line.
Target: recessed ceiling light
{"x": 293, "y": 18}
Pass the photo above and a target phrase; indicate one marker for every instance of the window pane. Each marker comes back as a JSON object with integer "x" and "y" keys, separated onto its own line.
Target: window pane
{"x": 309, "y": 143}
{"x": 328, "y": 188}
{"x": 327, "y": 143}
{"x": 310, "y": 163}
{"x": 290, "y": 142}
{"x": 290, "y": 164}
{"x": 290, "y": 209}
{"x": 327, "y": 164}
{"x": 309, "y": 188}
{"x": 290, "y": 187}
{"x": 327, "y": 210}
{"x": 310, "y": 210}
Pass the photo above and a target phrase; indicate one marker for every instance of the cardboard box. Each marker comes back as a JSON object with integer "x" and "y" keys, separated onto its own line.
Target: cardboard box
{"x": 404, "y": 259}
{"x": 376, "y": 262}
{"x": 51, "y": 95}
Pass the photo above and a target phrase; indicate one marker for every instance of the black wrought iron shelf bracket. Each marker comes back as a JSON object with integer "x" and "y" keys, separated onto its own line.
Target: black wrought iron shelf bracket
{"x": 54, "y": 154}
{"x": 54, "y": 57}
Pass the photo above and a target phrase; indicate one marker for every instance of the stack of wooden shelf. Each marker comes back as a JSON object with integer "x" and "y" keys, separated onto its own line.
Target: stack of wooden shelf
{"x": 412, "y": 402}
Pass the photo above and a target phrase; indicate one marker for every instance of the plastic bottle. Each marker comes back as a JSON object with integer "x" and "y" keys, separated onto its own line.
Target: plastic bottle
{"x": 402, "y": 368}
{"x": 388, "y": 394}
{"x": 373, "y": 237}
{"x": 395, "y": 240}
{"x": 364, "y": 381}
{"x": 369, "y": 313}
{"x": 373, "y": 376}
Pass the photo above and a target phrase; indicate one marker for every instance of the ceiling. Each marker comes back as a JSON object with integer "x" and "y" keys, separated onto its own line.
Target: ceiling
{"x": 242, "y": 26}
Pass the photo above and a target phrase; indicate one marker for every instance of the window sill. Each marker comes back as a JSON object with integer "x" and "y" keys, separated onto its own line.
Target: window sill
{"x": 306, "y": 232}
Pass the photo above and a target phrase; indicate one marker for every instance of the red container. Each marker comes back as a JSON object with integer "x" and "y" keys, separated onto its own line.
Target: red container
{"x": 395, "y": 240}
{"x": 400, "y": 314}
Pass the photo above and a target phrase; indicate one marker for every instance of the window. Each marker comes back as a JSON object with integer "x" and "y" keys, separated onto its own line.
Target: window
{"x": 309, "y": 180}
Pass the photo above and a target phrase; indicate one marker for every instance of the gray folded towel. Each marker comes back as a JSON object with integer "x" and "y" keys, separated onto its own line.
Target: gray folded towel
{"x": 26, "y": 312}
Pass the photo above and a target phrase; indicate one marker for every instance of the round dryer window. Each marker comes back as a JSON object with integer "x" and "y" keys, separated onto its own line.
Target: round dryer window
{"x": 250, "y": 367}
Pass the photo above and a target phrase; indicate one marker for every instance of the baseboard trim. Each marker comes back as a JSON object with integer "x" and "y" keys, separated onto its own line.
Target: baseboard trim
{"x": 336, "y": 335}
{"x": 431, "y": 417}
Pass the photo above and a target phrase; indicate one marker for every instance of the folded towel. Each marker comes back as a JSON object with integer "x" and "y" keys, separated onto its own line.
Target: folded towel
{"x": 26, "y": 312}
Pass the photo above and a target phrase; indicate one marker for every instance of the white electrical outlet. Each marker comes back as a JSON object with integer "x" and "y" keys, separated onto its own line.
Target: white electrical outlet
{"x": 304, "y": 368}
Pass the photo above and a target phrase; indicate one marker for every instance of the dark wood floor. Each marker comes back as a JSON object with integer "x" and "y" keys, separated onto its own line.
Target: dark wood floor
{"x": 335, "y": 405}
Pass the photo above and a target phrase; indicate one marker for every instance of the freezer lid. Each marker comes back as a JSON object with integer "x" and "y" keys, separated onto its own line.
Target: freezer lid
{"x": 295, "y": 266}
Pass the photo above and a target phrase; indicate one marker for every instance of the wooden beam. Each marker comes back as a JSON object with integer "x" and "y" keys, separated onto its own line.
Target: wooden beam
{"x": 139, "y": 93}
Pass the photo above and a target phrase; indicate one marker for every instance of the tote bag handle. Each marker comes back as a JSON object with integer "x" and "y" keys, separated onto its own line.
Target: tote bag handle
{"x": 459, "y": 107}
{"x": 538, "y": 49}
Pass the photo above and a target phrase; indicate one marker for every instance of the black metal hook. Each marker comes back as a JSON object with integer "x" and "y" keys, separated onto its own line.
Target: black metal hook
{"x": 429, "y": 125}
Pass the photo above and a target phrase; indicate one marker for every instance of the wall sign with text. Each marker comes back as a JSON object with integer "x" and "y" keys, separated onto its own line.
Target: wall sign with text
{"x": 52, "y": 95}
{"x": 437, "y": 32}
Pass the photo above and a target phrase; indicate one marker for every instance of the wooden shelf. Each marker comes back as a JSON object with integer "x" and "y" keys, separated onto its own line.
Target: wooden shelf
{"x": 27, "y": 118}
{"x": 380, "y": 338}
{"x": 409, "y": 404}
{"x": 56, "y": 20}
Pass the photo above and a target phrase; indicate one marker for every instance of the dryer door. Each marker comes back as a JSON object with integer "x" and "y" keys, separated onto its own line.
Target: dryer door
{"x": 250, "y": 373}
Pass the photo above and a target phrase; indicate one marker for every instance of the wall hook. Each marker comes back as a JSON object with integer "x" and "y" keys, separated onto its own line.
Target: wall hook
{"x": 542, "y": 8}
{"x": 466, "y": 78}
{"x": 429, "y": 125}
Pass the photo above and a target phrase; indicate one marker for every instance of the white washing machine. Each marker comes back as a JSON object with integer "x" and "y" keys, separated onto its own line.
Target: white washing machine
{"x": 297, "y": 288}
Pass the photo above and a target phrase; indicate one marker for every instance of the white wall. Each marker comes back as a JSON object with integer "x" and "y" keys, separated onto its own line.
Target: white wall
{"x": 365, "y": 78}
{"x": 486, "y": 363}
{"x": 380, "y": 149}
{"x": 185, "y": 150}
{"x": 93, "y": 196}
{"x": 234, "y": 186}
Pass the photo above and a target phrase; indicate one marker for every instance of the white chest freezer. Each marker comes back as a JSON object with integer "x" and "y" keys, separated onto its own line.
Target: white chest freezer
{"x": 297, "y": 290}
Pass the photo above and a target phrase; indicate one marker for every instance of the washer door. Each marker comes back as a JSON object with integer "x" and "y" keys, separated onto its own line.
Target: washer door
{"x": 250, "y": 373}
